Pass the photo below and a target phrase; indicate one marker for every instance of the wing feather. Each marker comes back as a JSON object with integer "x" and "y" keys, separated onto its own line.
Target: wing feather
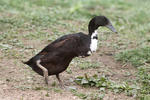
{"x": 61, "y": 47}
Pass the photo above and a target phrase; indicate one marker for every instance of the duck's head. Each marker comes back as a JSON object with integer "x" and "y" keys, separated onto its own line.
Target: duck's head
{"x": 100, "y": 21}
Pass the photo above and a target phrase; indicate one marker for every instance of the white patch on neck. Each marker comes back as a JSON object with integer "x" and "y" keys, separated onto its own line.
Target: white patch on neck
{"x": 94, "y": 41}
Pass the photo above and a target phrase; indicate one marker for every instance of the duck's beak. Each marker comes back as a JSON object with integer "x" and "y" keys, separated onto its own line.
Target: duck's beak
{"x": 111, "y": 28}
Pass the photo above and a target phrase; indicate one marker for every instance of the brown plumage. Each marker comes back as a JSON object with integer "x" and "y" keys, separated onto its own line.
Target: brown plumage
{"x": 55, "y": 57}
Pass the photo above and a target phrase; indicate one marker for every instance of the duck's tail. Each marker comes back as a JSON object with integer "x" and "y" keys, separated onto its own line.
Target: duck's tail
{"x": 25, "y": 62}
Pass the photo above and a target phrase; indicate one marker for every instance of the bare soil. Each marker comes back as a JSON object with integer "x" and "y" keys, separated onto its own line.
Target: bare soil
{"x": 19, "y": 82}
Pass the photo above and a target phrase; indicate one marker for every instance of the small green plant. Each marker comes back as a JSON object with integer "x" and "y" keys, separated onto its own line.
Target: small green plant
{"x": 54, "y": 84}
{"x": 69, "y": 71}
{"x": 47, "y": 94}
{"x": 38, "y": 88}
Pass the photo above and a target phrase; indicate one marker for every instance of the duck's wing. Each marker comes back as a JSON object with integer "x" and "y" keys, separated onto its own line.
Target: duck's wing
{"x": 60, "y": 48}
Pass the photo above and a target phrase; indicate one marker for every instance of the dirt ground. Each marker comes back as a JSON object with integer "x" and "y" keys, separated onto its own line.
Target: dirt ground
{"x": 19, "y": 82}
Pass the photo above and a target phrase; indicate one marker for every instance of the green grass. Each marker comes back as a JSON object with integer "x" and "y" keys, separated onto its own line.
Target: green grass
{"x": 136, "y": 57}
{"x": 143, "y": 79}
{"x": 139, "y": 57}
{"x": 87, "y": 96}
{"x": 88, "y": 64}
{"x": 32, "y": 17}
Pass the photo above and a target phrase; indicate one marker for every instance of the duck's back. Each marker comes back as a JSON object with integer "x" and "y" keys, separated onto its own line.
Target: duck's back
{"x": 58, "y": 54}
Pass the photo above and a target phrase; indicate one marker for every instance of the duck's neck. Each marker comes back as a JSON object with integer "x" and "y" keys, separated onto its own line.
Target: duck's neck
{"x": 94, "y": 35}
{"x": 92, "y": 28}
{"x": 92, "y": 31}
{"x": 94, "y": 41}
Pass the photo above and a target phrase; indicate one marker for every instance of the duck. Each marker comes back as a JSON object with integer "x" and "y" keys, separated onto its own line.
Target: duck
{"x": 56, "y": 56}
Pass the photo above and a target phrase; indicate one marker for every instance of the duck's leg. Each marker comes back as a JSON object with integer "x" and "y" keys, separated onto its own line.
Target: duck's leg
{"x": 60, "y": 82}
{"x": 45, "y": 71}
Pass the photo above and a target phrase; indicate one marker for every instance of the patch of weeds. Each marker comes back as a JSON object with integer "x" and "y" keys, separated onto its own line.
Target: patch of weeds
{"x": 57, "y": 90}
{"x": 78, "y": 94}
{"x": 10, "y": 53}
{"x": 16, "y": 43}
{"x": 35, "y": 35}
{"x": 88, "y": 96}
{"x": 41, "y": 88}
{"x": 136, "y": 57}
{"x": 38, "y": 88}
{"x": 140, "y": 88}
{"x": 5, "y": 46}
{"x": 144, "y": 80}
{"x": 95, "y": 96}
{"x": 88, "y": 64}
{"x": 23, "y": 88}
{"x": 104, "y": 83}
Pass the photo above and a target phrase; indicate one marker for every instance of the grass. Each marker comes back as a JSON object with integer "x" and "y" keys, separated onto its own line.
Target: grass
{"x": 139, "y": 88}
{"x": 86, "y": 96}
{"x": 136, "y": 57}
{"x": 45, "y": 20}
{"x": 42, "y": 15}
{"x": 88, "y": 64}
{"x": 103, "y": 83}
{"x": 139, "y": 57}
{"x": 143, "y": 79}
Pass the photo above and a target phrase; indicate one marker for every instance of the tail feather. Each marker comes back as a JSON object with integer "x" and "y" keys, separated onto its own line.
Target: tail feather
{"x": 25, "y": 62}
{"x": 32, "y": 62}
